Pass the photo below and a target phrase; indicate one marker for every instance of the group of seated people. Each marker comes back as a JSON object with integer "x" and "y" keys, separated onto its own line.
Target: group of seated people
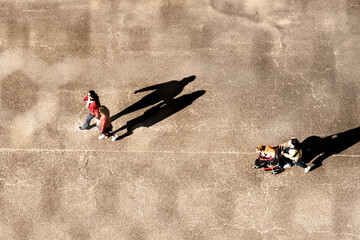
{"x": 290, "y": 150}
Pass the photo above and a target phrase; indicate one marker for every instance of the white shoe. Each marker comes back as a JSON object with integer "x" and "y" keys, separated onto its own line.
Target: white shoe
{"x": 102, "y": 136}
{"x": 113, "y": 138}
{"x": 288, "y": 165}
{"x": 307, "y": 169}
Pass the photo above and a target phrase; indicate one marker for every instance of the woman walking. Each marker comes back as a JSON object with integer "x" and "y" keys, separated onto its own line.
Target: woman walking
{"x": 104, "y": 123}
{"x": 93, "y": 104}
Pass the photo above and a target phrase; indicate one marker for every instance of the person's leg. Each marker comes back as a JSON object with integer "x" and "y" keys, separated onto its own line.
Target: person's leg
{"x": 287, "y": 164}
{"x": 87, "y": 120}
{"x": 299, "y": 163}
{"x": 284, "y": 162}
{"x": 105, "y": 133}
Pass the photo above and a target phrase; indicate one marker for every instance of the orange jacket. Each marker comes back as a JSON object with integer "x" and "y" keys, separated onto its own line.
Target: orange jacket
{"x": 105, "y": 122}
{"x": 269, "y": 150}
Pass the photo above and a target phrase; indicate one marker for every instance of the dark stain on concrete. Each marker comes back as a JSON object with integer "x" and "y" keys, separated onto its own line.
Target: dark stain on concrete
{"x": 23, "y": 229}
{"x": 106, "y": 196}
{"x": 115, "y": 5}
{"x": 348, "y": 92}
{"x": 19, "y": 92}
{"x": 244, "y": 180}
{"x": 284, "y": 204}
{"x": 234, "y": 8}
{"x": 137, "y": 233}
{"x": 51, "y": 194}
{"x": 79, "y": 35}
{"x": 168, "y": 201}
{"x": 201, "y": 38}
{"x": 262, "y": 45}
{"x": 304, "y": 5}
{"x": 194, "y": 233}
{"x": 343, "y": 212}
{"x": 45, "y": 23}
{"x": 194, "y": 171}
{"x": 225, "y": 206}
{"x": 2, "y": 183}
{"x": 228, "y": 7}
{"x": 78, "y": 83}
{"x": 18, "y": 27}
{"x": 324, "y": 58}
{"x": 173, "y": 12}
{"x": 54, "y": 35}
{"x": 323, "y": 70}
{"x": 140, "y": 39}
{"x": 79, "y": 233}
{"x": 41, "y": 6}
{"x": 166, "y": 187}
{"x": 51, "y": 55}
{"x": 353, "y": 15}
{"x": 53, "y": 130}
{"x": 5, "y": 19}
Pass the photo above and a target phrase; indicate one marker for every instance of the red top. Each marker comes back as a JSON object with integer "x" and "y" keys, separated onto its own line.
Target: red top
{"x": 94, "y": 107}
{"x": 105, "y": 122}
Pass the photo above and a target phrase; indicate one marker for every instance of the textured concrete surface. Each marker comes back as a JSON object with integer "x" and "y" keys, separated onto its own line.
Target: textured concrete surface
{"x": 265, "y": 71}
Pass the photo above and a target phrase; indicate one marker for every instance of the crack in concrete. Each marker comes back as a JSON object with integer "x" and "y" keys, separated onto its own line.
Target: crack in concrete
{"x": 335, "y": 234}
{"x": 116, "y": 151}
{"x": 256, "y": 19}
{"x": 311, "y": 84}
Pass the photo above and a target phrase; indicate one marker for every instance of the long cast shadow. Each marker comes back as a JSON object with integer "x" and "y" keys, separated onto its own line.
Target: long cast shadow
{"x": 163, "y": 92}
{"x": 159, "y": 113}
{"x": 317, "y": 149}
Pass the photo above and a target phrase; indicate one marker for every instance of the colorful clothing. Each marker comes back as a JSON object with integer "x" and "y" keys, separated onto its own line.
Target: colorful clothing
{"x": 293, "y": 154}
{"x": 93, "y": 106}
{"x": 105, "y": 124}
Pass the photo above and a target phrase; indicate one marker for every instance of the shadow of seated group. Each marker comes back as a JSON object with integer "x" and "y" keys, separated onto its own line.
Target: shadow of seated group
{"x": 316, "y": 149}
{"x": 164, "y": 96}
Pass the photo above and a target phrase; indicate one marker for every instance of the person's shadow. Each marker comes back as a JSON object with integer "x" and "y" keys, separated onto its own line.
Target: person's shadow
{"x": 159, "y": 113}
{"x": 163, "y": 92}
{"x": 317, "y": 149}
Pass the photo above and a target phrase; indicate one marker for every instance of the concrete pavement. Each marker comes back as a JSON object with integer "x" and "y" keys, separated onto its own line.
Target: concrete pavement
{"x": 265, "y": 71}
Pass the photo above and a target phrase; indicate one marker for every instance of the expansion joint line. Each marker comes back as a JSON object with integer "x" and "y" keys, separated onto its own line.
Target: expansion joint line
{"x": 59, "y": 150}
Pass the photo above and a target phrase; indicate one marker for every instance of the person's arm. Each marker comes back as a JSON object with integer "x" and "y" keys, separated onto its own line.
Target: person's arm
{"x": 287, "y": 155}
{"x": 97, "y": 113}
{"x": 102, "y": 124}
{"x": 293, "y": 154}
{"x": 86, "y": 98}
{"x": 285, "y": 145}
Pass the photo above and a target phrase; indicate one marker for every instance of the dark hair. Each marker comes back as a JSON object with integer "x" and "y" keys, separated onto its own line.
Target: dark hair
{"x": 94, "y": 97}
{"x": 104, "y": 110}
{"x": 295, "y": 142}
{"x": 92, "y": 93}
